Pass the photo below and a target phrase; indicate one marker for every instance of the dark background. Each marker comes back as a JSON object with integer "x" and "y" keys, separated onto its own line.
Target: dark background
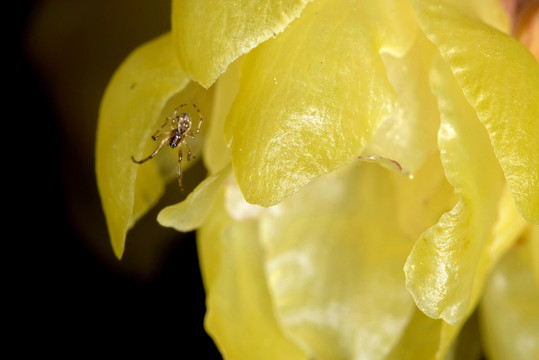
{"x": 66, "y": 290}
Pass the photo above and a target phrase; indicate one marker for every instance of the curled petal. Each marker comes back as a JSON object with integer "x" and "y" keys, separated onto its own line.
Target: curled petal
{"x": 130, "y": 111}
{"x": 191, "y": 213}
{"x": 211, "y": 34}
{"x": 447, "y": 266}
{"x": 499, "y": 78}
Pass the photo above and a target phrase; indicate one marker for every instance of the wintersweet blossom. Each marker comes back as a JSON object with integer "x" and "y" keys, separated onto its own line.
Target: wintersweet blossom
{"x": 373, "y": 174}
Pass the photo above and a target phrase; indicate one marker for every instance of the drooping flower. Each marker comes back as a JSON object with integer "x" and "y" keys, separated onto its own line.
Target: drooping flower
{"x": 371, "y": 164}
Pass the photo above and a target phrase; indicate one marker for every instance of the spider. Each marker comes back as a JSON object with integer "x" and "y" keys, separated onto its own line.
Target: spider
{"x": 175, "y": 137}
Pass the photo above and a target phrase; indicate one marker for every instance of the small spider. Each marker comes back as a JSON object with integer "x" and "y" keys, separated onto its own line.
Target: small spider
{"x": 175, "y": 137}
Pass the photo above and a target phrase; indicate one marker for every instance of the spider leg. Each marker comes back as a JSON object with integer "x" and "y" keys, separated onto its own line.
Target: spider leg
{"x": 163, "y": 142}
{"x": 174, "y": 117}
{"x": 158, "y": 133}
{"x": 200, "y": 119}
{"x": 188, "y": 150}
{"x": 180, "y": 176}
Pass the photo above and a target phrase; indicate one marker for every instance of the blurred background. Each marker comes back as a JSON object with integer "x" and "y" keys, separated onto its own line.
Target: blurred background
{"x": 66, "y": 286}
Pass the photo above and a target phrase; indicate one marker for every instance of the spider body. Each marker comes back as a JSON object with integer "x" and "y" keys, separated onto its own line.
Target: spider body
{"x": 179, "y": 127}
{"x": 176, "y": 139}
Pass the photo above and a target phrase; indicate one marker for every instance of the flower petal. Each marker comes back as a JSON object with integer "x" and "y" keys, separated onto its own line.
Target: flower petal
{"x": 191, "y": 213}
{"x": 216, "y": 153}
{"x": 427, "y": 338}
{"x": 421, "y": 200}
{"x": 409, "y": 136}
{"x": 499, "y": 78}
{"x": 509, "y": 308}
{"x": 240, "y": 316}
{"x": 450, "y": 262}
{"x": 211, "y": 34}
{"x": 311, "y": 99}
{"x": 334, "y": 264}
{"x": 419, "y": 340}
{"x": 129, "y": 113}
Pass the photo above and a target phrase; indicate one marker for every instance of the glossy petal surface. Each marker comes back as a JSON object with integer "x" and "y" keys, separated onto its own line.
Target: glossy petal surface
{"x": 424, "y": 337}
{"x": 499, "y": 78}
{"x": 311, "y": 99}
{"x": 509, "y": 309}
{"x": 211, "y": 34}
{"x": 130, "y": 112}
{"x": 445, "y": 268}
{"x": 334, "y": 261}
{"x": 240, "y": 315}
{"x": 191, "y": 213}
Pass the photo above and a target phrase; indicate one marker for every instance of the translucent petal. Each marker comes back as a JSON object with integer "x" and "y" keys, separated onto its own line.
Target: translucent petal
{"x": 240, "y": 316}
{"x": 334, "y": 265}
{"x": 508, "y": 227}
{"x": 426, "y": 338}
{"x": 311, "y": 99}
{"x": 499, "y": 78}
{"x": 191, "y": 213}
{"x": 446, "y": 266}
{"x": 409, "y": 136}
{"x": 211, "y": 34}
{"x": 216, "y": 153}
{"x": 130, "y": 112}
{"x": 468, "y": 343}
{"x": 421, "y": 201}
{"x": 419, "y": 340}
{"x": 509, "y": 308}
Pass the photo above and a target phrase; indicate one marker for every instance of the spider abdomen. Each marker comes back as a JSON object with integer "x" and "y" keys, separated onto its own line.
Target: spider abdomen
{"x": 175, "y": 139}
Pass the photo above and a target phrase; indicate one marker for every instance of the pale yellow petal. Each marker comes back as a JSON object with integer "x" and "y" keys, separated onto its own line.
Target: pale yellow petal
{"x": 420, "y": 201}
{"x": 311, "y": 99}
{"x": 216, "y": 154}
{"x": 210, "y": 34}
{"x": 419, "y": 340}
{"x": 240, "y": 315}
{"x": 506, "y": 230}
{"x": 409, "y": 136}
{"x": 334, "y": 265}
{"x": 510, "y": 305}
{"x": 499, "y": 78}
{"x": 445, "y": 268}
{"x": 191, "y": 213}
{"x": 426, "y": 338}
{"x": 129, "y": 114}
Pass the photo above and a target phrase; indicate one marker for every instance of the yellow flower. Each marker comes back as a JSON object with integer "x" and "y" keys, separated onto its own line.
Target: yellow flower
{"x": 373, "y": 174}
